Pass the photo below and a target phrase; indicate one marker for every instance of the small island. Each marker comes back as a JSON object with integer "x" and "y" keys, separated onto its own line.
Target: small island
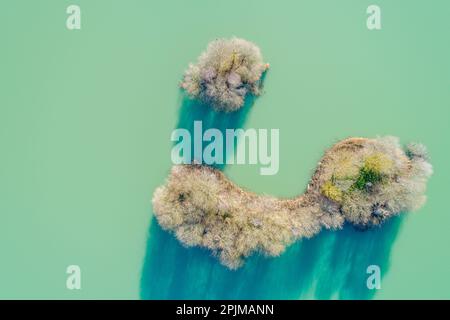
{"x": 225, "y": 74}
{"x": 360, "y": 181}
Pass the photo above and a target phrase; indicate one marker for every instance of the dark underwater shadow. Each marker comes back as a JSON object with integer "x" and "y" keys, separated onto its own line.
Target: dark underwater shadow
{"x": 194, "y": 110}
{"x": 330, "y": 265}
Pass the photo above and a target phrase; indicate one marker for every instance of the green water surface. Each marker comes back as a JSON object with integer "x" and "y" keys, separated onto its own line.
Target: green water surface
{"x": 86, "y": 118}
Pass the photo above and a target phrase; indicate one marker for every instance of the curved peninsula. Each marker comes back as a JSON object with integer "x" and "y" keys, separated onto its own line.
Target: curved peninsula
{"x": 360, "y": 181}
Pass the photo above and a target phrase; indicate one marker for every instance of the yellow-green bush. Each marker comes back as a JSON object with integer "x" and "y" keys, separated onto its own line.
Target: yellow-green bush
{"x": 378, "y": 163}
{"x": 332, "y": 192}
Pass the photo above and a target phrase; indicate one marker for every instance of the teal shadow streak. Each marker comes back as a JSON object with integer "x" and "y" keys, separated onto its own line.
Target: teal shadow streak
{"x": 193, "y": 110}
{"x": 330, "y": 265}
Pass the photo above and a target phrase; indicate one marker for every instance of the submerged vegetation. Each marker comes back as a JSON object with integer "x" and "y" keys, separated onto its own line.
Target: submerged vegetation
{"x": 225, "y": 74}
{"x": 359, "y": 181}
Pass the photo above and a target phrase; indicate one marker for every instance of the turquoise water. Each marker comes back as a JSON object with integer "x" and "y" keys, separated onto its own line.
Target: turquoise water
{"x": 330, "y": 265}
{"x": 86, "y": 118}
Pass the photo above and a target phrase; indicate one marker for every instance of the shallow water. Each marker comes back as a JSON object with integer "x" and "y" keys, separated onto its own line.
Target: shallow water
{"x": 86, "y": 119}
{"x": 330, "y": 265}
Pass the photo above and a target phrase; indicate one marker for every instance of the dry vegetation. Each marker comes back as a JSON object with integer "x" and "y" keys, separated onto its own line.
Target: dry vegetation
{"x": 225, "y": 74}
{"x": 362, "y": 181}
